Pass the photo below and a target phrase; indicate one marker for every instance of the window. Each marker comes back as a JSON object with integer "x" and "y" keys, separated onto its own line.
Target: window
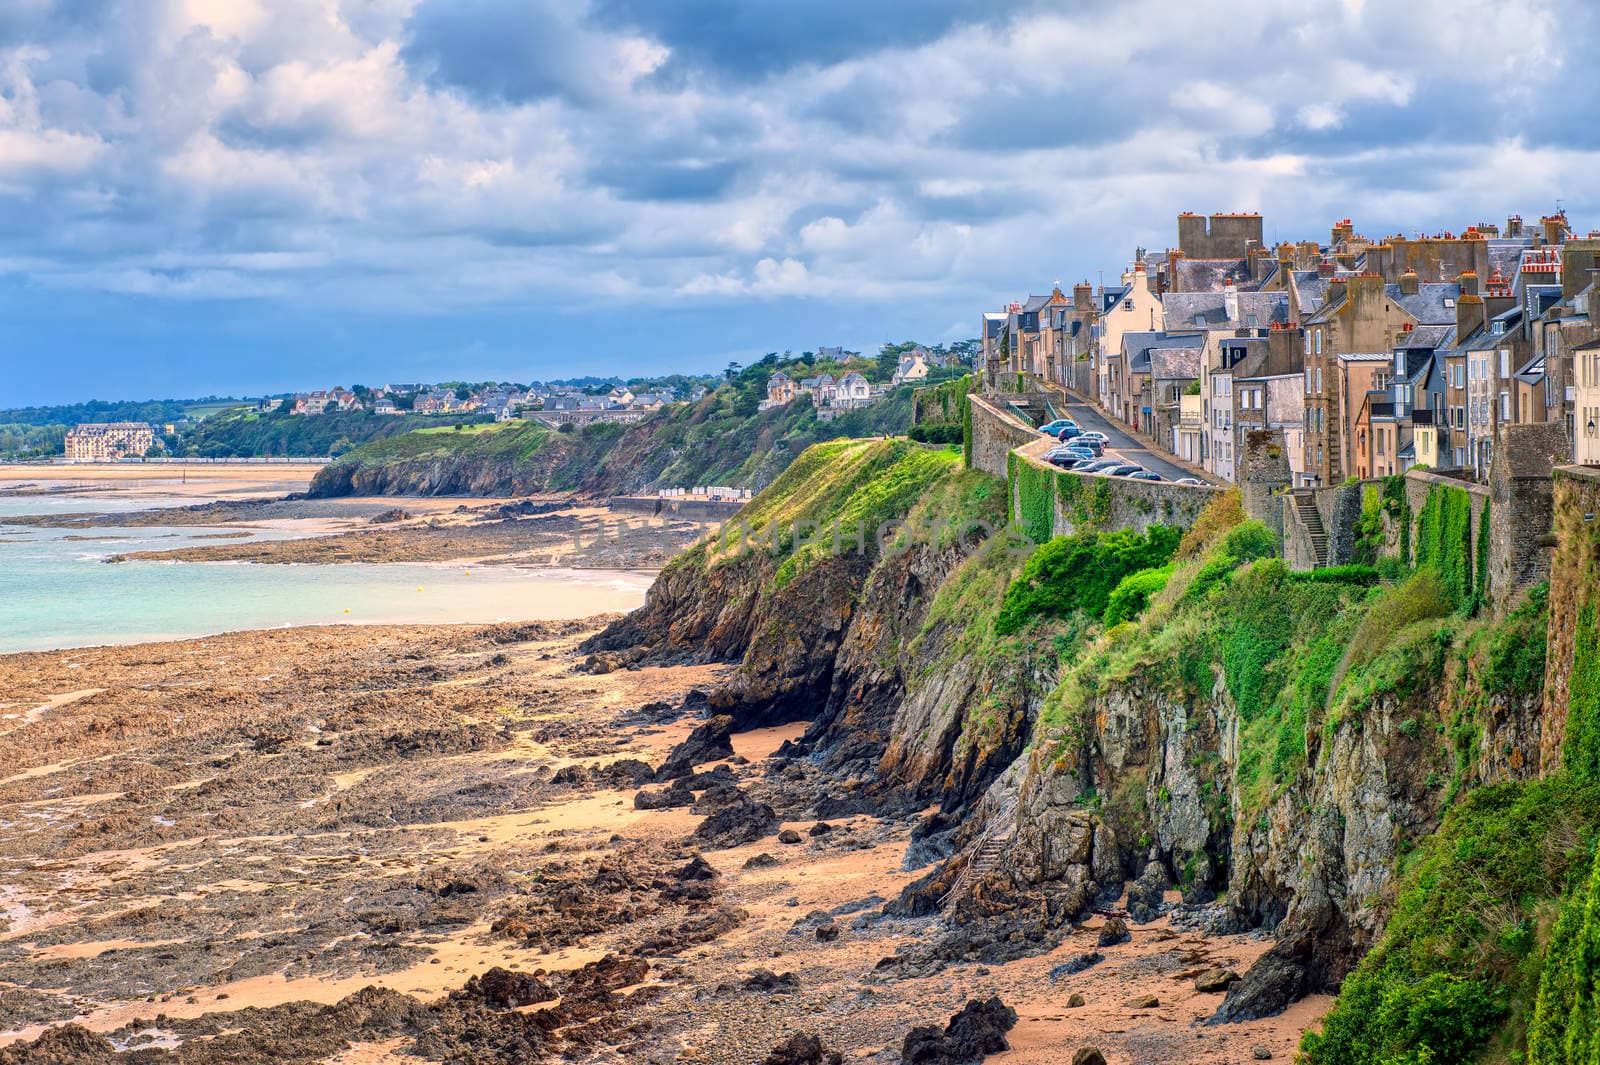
{"x": 1505, "y": 362}
{"x": 1127, "y": 305}
{"x": 1505, "y": 406}
{"x": 1319, "y": 378}
{"x": 1319, "y": 342}
{"x": 1308, "y": 380}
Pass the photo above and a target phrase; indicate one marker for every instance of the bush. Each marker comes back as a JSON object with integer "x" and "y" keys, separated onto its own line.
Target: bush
{"x": 936, "y": 434}
{"x": 1418, "y": 599}
{"x": 1352, "y": 574}
{"x": 1250, "y": 541}
{"x": 1133, "y": 593}
{"x": 1451, "y": 964}
{"x": 1080, "y": 573}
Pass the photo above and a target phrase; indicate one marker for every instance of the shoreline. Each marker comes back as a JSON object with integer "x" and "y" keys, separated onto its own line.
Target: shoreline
{"x": 333, "y": 814}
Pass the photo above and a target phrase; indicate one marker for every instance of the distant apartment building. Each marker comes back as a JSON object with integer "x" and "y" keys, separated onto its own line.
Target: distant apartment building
{"x": 108, "y": 441}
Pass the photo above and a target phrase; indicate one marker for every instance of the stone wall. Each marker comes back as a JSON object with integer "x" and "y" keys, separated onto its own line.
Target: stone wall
{"x": 1338, "y": 508}
{"x": 1263, "y": 477}
{"x": 1418, "y": 482}
{"x": 1574, "y": 592}
{"x": 687, "y": 509}
{"x": 994, "y": 433}
{"x": 1522, "y": 509}
{"x": 1083, "y": 502}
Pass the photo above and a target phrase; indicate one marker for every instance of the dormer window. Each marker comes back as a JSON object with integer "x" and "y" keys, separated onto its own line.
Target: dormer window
{"x": 1449, "y": 303}
{"x": 1497, "y": 328}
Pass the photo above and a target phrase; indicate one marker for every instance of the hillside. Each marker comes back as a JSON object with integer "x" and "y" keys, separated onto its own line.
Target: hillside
{"x": 720, "y": 440}
{"x": 1347, "y": 758}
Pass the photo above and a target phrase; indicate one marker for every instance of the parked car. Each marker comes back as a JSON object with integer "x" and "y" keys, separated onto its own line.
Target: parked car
{"x": 1052, "y": 428}
{"x": 1069, "y": 462}
{"x": 1096, "y": 446}
{"x": 1188, "y": 480}
{"x": 1067, "y": 432}
{"x": 1100, "y": 465}
{"x": 1144, "y": 475}
{"x": 1121, "y": 469}
{"x": 1095, "y": 434}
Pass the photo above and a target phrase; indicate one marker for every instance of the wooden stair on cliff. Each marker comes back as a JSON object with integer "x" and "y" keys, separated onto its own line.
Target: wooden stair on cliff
{"x": 990, "y": 848}
{"x": 1311, "y": 518}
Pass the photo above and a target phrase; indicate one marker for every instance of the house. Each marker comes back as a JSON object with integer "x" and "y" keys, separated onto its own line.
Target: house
{"x": 852, "y": 390}
{"x": 780, "y": 390}
{"x": 1133, "y": 306}
{"x": 1135, "y": 397}
{"x": 385, "y": 405}
{"x": 621, "y": 395}
{"x": 1586, "y": 403}
{"x": 912, "y": 367}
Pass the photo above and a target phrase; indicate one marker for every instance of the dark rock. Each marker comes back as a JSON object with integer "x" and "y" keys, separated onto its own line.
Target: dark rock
{"x": 761, "y": 861}
{"x": 742, "y": 821}
{"x": 1261, "y": 1053}
{"x": 828, "y": 932}
{"x": 1282, "y": 975}
{"x": 709, "y": 742}
{"x": 766, "y": 980}
{"x": 697, "y": 869}
{"x": 388, "y": 517}
{"x": 627, "y": 773}
{"x": 974, "y": 1033}
{"x": 802, "y": 1049}
{"x": 665, "y": 799}
{"x": 1089, "y": 1056}
{"x": 788, "y": 835}
{"x": 508, "y": 989}
{"x": 64, "y": 1045}
{"x": 1213, "y": 980}
{"x": 1142, "y": 1002}
{"x": 1075, "y": 1000}
{"x": 821, "y": 828}
{"x": 1077, "y": 964}
{"x": 1113, "y": 932}
{"x": 571, "y": 776}
{"x": 1145, "y": 894}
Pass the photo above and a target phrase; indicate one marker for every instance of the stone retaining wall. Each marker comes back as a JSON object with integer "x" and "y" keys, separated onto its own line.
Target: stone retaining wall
{"x": 994, "y": 434}
{"x": 1083, "y": 502}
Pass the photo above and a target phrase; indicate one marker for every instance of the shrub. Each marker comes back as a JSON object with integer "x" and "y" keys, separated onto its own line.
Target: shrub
{"x": 1444, "y": 542}
{"x": 1563, "y": 1029}
{"x": 1418, "y": 599}
{"x": 936, "y": 434}
{"x": 1450, "y": 966}
{"x": 1133, "y": 593}
{"x": 1352, "y": 574}
{"x": 1250, "y": 541}
{"x": 1080, "y": 572}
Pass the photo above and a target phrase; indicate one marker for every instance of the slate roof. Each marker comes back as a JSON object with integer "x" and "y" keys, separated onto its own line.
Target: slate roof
{"x": 1177, "y": 363}
{"x": 1428, "y": 336}
{"x": 1110, "y": 297}
{"x": 1428, "y": 305}
{"x": 1200, "y": 310}
{"x": 1532, "y": 371}
{"x": 1138, "y": 346}
{"x": 1206, "y": 275}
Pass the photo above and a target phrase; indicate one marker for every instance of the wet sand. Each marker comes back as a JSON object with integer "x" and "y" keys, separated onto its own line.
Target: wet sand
{"x": 268, "y": 818}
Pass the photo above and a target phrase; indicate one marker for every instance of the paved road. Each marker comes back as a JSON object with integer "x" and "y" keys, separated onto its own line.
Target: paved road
{"x": 1121, "y": 444}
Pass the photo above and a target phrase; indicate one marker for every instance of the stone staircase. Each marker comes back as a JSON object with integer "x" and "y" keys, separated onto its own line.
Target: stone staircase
{"x": 987, "y": 852}
{"x": 1311, "y": 518}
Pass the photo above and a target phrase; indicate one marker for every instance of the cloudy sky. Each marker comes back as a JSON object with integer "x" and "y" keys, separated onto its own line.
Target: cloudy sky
{"x": 243, "y": 196}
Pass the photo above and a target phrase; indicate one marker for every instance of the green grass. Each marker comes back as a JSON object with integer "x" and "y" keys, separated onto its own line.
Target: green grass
{"x": 1460, "y": 964}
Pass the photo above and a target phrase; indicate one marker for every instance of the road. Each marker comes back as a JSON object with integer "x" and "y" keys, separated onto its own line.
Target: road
{"x": 1121, "y": 444}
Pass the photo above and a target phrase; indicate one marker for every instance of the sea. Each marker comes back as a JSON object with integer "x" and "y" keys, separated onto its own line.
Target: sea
{"x": 58, "y": 591}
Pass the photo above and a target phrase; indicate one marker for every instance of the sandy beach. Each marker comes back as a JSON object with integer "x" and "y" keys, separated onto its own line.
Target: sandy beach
{"x": 275, "y": 819}
{"x": 198, "y": 480}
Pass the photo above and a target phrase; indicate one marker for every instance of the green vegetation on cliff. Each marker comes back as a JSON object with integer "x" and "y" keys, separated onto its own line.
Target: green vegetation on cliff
{"x": 1460, "y": 965}
{"x": 722, "y": 440}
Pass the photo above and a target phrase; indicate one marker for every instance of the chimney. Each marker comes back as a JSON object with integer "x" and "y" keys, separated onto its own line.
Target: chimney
{"x": 1082, "y": 298}
{"x": 1325, "y": 269}
{"x": 1230, "y": 300}
{"x": 1336, "y": 289}
{"x": 1468, "y": 282}
{"x": 1514, "y": 227}
{"x": 1173, "y": 255}
{"x": 1469, "y": 314}
{"x": 1408, "y": 283}
{"x": 1555, "y": 227}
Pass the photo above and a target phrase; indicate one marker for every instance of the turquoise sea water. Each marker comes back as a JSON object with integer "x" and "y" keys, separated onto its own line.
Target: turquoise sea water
{"x": 57, "y": 591}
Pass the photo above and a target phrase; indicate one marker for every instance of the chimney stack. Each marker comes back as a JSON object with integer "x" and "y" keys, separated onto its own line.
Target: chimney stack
{"x": 1230, "y": 300}
{"x": 1555, "y": 227}
{"x": 1468, "y": 282}
{"x": 1469, "y": 315}
{"x": 1082, "y": 298}
{"x": 1408, "y": 283}
{"x": 1325, "y": 269}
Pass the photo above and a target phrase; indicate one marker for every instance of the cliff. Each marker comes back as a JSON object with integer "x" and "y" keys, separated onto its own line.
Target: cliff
{"x": 1357, "y": 759}
{"x": 721, "y": 440}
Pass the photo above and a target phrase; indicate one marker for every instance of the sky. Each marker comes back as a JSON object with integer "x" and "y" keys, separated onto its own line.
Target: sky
{"x": 252, "y": 196}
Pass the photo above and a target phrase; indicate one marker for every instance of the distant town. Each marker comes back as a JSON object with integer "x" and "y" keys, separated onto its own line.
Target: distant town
{"x": 832, "y": 381}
